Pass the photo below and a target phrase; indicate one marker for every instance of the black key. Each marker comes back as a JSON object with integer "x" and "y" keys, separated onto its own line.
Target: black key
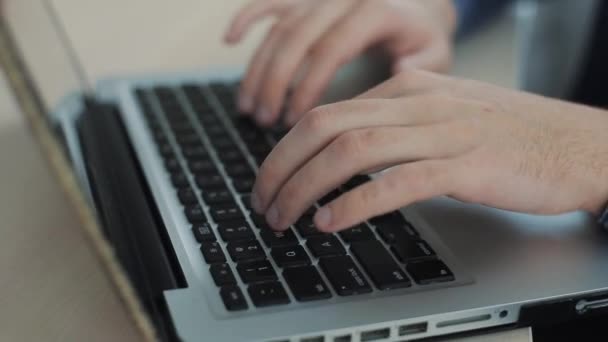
{"x": 165, "y": 150}
{"x": 203, "y": 232}
{"x": 344, "y": 276}
{"x": 226, "y": 212}
{"x": 393, "y": 234}
{"x": 259, "y": 221}
{"x": 187, "y": 196}
{"x": 239, "y": 169}
{"x": 215, "y": 131}
{"x": 195, "y": 214}
{"x": 179, "y": 180}
{"x": 235, "y": 230}
{"x": 256, "y": 271}
{"x": 407, "y": 250}
{"x": 243, "y": 185}
{"x": 355, "y": 182}
{"x": 231, "y": 155}
{"x": 222, "y": 274}
{"x": 358, "y": 233}
{"x": 325, "y": 245}
{"x": 274, "y": 239}
{"x": 224, "y": 142}
{"x": 290, "y": 256}
{"x": 172, "y": 165}
{"x": 249, "y": 250}
{"x": 379, "y": 265}
{"x": 217, "y": 196}
{"x": 246, "y": 199}
{"x": 306, "y": 283}
{"x": 429, "y": 271}
{"x": 202, "y": 166}
{"x": 332, "y": 195}
{"x": 233, "y": 298}
{"x": 194, "y": 152}
{"x": 394, "y": 220}
{"x": 188, "y": 139}
{"x": 212, "y": 252}
{"x": 209, "y": 182}
{"x": 306, "y": 227}
{"x": 268, "y": 294}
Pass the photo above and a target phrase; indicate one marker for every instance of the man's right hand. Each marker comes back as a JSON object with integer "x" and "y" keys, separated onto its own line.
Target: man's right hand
{"x": 316, "y": 37}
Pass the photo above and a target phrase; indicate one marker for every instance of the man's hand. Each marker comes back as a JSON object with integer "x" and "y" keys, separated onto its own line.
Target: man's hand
{"x": 311, "y": 39}
{"x": 440, "y": 136}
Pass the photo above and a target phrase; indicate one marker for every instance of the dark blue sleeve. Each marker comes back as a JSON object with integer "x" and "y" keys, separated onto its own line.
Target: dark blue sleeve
{"x": 474, "y": 13}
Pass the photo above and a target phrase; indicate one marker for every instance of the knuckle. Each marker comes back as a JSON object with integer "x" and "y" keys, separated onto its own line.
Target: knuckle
{"x": 349, "y": 144}
{"x": 317, "y": 119}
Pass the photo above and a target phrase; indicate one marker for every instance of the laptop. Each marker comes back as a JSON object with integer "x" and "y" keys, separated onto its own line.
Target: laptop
{"x": 163, "y": 167}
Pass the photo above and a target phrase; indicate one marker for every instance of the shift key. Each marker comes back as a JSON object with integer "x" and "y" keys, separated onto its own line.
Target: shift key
{"x": 344, "y": 276}
{"x": 379, "y": 265}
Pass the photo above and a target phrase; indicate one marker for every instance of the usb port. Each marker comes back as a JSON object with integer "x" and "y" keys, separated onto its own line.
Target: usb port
{"x": 374, "y": 335}
{"x": 412, "y": 329}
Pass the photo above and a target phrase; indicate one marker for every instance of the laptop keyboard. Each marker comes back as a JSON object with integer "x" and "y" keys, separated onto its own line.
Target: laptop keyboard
{"x": 213, "y": 172}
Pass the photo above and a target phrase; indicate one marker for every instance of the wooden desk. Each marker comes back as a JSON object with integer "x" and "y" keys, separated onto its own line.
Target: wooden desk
{"x": 52, "y": 287}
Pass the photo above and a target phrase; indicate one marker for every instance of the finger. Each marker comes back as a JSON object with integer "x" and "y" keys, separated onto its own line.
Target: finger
{"x": 345, "y": 40}
{"x": 292, "y": 49}
{"x": 435, "y": 58}
{"x": 351, "y": 153}
{"x": 250, "y": 14}
{"x": 322, "y": 125}
{"x": 406, "y": 83}
{"x": 255, "y": 70}
{"x": 398, "y": 187}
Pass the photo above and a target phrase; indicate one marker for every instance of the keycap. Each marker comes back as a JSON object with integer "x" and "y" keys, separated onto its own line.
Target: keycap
{"x": 188, "y": 139}
{"x": 268, "y": 294}
{"x": 233, "y": 298}
{"x": 202, "y": 166}
{"x": 165, "y": 150}
{"x": 358, "y": 233}
{"x": 215, "y": 131}
{"x": 187, "y": 196}
{"x": 306, "y": 283}
{"x": 195, "y": 214}
{"x": 407, "y": 250}
{"x": 379, "y": 265}
{"x": 194, "y": 152}
{"x": 246, "y": 250}
{"x": 239, "y": 169}
{"x": 394, "y": 220}
{"x": 344, "y": 276}
{"x": 246, "y": 200}
{"x": 325, "y": 245}
{"x": 172, "y": 165}
{"x": 290, "y": 256}
{"x": 230, "y": 155}
{"x": 222, "y": 274}
{"x": 221, "y": 143}
{"x": 226, "y": 212}
{"x": 306, "y": 227}
{"x": 429, "y": 271}
{"x": 259, "y": 221}
{"x": 235, "y": 230}
{"x": 179, "y": 180}
{"x": 203, "y": 232}
{"x": 212, "y": 252}
{"x": 356, "y": 181}
{"x": 274, "y": 239}
{"x": 243, "y": 185}
{"x": 217, "y": 196}
{"x": 256, "y": 271}
{"x": 391, "y": 234}
{"x": 332, "y": 195}
{"x": 210, "y": 182}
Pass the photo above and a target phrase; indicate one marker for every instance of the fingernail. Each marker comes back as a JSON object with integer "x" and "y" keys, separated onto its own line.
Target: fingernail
{"x": 323, "y": 218}
{"x": 272, "y": 216}
{"x": 245, "y": 103}
{"x": 255, "y": 203}
{"x": 263, "y": 115}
